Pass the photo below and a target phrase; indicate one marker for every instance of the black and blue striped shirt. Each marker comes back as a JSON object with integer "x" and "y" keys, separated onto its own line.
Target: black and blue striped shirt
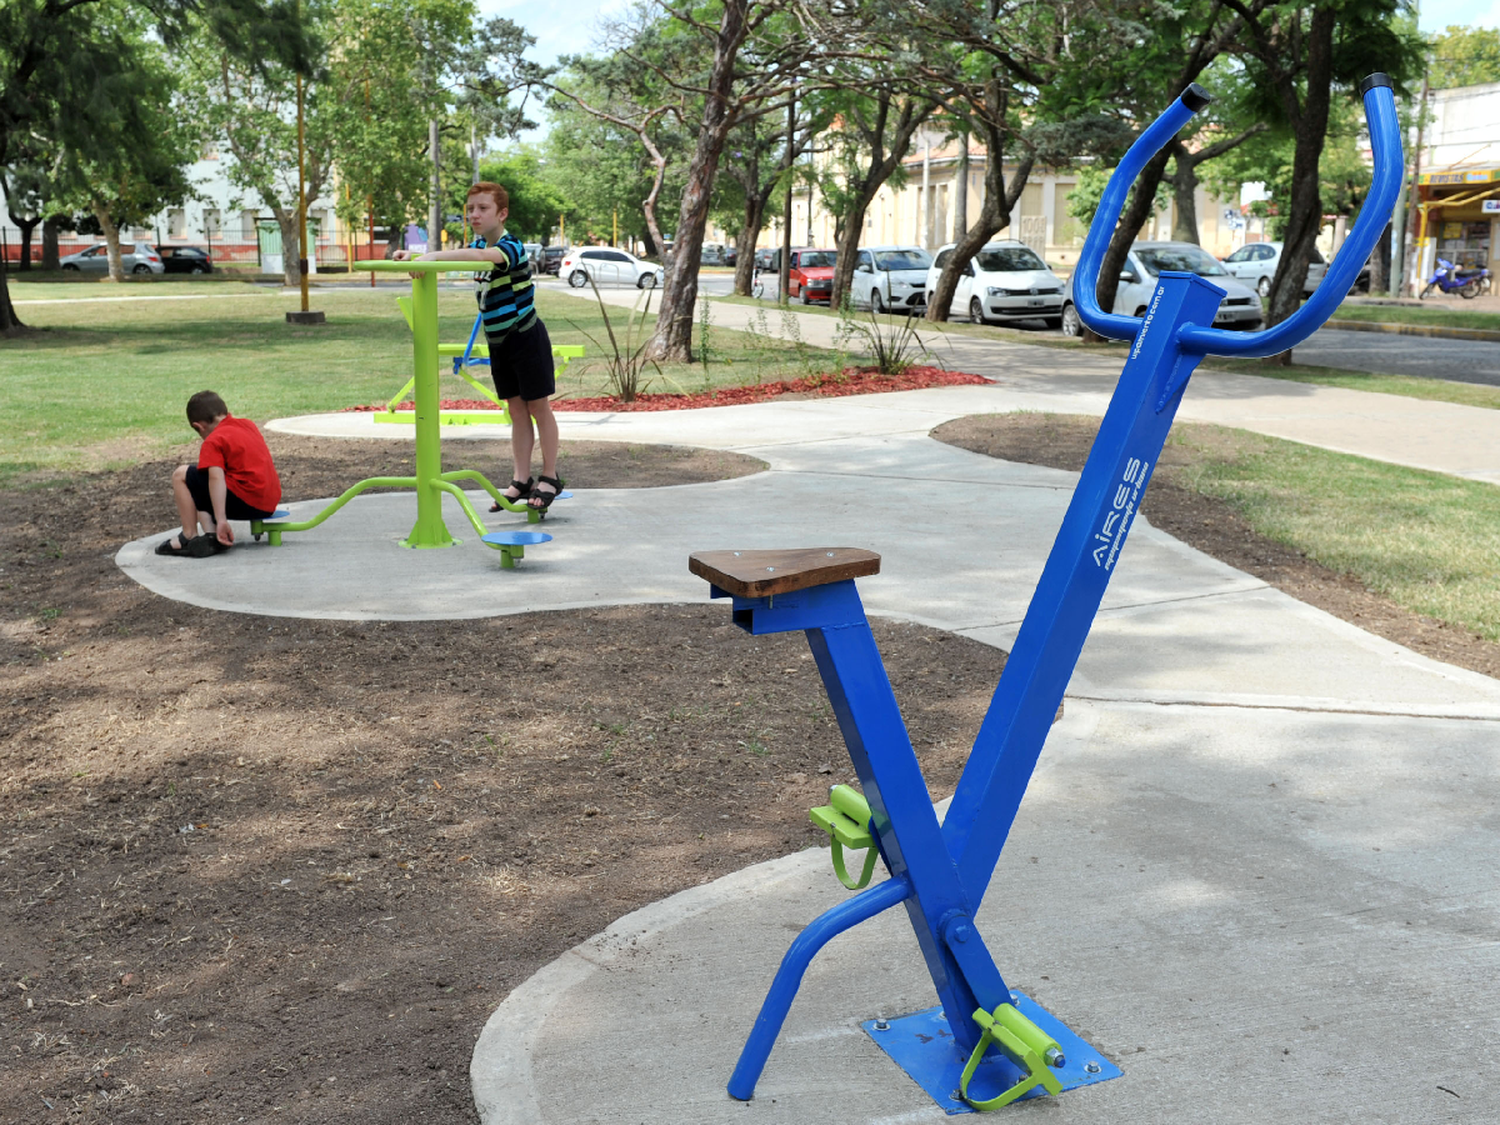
{"x": 505, "y": 293}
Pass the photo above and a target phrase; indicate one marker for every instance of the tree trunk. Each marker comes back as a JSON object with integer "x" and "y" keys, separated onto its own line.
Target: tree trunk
{"x": 1305, "y": 204}
{"x": 744, "y": 265}
{"x": 25, "y": 226}
{"x": 112, "y": 241}
{"x": 10, "y": 324}
{"x": 1380, "y": 263}
{"x": 50, "y": 256}
{"x": 961, "y": 186}
{"x": 287, "y": 221}
{"x": 994, "y": 216}
{"x": 673, "y": 340}
{"x": 1184, "y": 194}
{"x": 883, "y": 164}
{"x": 1138, "y": 209}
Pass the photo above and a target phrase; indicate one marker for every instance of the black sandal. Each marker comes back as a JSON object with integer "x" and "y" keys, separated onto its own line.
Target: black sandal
{"x": 523, "y": 493}
{"x": 199, "y": 547}
{"x": 541, "y": 501}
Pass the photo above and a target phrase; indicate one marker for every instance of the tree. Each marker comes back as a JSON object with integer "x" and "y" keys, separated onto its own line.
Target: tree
{"x": 728, "y": 95}
{"x": 1465, "y": 56}
{"x": 64, "y": 68}
{"x": 1000, "y": 67}
{"x": 872, "y": 135}
{"x": 760, "y": 160}
{"x": 368, "y": 98}
{"x": 1296, "y": 53}
{"x": 1163, "y": 59}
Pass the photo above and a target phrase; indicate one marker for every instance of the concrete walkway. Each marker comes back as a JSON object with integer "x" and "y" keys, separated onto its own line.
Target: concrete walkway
{"x": 1255, "y": 867}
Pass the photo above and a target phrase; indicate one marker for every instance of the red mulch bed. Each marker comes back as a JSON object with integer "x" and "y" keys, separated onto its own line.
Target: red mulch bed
{"x": 850, "y": 381}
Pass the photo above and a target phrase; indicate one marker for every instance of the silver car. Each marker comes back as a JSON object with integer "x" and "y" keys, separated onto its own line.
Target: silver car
{"x": 1255, "y": 265}
{"x": 891, "y": 278}
{"x": 1240, "y": 309}
{"x": 140, "y": 257}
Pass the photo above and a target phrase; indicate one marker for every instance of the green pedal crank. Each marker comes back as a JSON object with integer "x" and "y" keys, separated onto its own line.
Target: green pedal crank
{"x": 846, "y": 819}
{"x": 1025, "y": 1044}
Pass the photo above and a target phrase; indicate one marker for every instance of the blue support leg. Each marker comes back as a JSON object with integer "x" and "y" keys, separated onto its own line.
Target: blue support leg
{"x": 783, "y": 990}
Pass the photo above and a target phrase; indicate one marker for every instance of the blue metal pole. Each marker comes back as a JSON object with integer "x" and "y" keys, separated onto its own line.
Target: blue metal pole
{"x": 819, "y": 932}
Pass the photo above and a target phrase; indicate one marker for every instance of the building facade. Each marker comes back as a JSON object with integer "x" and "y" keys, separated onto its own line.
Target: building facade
{"x": 1457, "y": 199}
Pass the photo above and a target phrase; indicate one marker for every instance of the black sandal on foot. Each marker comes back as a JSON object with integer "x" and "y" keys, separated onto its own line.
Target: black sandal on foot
{"x": 540, "y": 501}
{"x": 199, "y": 547}
{"x": 523, "y": 492}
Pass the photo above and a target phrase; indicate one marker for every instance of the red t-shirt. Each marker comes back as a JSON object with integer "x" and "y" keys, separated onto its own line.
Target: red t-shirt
{"x": 237, "y": 447}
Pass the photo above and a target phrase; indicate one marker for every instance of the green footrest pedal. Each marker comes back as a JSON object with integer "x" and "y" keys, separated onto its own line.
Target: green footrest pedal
{"x": 846, "y": 819}
{"x": 1025, "y": 1044}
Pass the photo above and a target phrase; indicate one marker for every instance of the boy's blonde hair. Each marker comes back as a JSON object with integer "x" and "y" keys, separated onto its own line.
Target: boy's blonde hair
{"x": 500, "y": 195}
{"x": 205, "y": 406}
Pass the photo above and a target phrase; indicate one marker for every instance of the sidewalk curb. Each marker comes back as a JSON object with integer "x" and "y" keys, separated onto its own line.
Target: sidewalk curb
{"x": 1487, "y": 334}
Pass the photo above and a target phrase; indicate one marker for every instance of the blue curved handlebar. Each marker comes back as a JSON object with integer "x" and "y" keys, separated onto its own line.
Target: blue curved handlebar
{"x": 1385, "y": 141}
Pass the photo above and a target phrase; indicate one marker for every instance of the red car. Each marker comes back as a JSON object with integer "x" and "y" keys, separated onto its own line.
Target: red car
{"x": 811, "y": 275}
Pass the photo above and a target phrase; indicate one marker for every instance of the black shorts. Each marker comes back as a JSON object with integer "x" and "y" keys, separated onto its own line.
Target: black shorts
{"x": 234, "y": 507}
{"x": 521, "y": 365}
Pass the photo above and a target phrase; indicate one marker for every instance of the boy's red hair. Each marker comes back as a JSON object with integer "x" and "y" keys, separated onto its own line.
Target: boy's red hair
{"x": 500, "y": 195}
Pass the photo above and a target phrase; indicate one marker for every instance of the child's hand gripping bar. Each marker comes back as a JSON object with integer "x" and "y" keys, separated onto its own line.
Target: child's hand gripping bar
{"x": 1385, "y": 141}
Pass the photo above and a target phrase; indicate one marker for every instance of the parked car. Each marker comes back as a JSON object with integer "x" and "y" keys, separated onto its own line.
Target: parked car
{"x": 1004, "y": 281}
{"x": 1241, "y": 307}
{"x": 136, "y": 258}
{"x": 891, "y": 278}
{"x": 185, "y": 259}
{"x": 1255, "y": 264}
{"x": 607, "y": 267}
{"x": 712, "y": 254}
{"x": 533, "y": 255}
{"x": 766, "y": 259}
{"x": 552, "y": 257}
{"x": 731, "y": 256}
{"x": 811, "y": 275}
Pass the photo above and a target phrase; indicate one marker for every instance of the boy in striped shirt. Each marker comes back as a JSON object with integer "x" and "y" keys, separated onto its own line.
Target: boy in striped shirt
{"x": 520, "y": 350}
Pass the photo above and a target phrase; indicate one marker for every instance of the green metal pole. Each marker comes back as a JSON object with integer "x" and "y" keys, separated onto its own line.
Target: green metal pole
{"x": 429, "y": 530}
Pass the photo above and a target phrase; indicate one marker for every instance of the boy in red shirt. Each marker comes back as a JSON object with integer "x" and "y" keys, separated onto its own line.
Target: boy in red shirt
{"x": 233, "y": 480}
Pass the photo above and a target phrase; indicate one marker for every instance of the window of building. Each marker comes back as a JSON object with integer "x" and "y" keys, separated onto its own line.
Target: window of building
{"x": 247, "y": 226}
{"x": 211, "y": 222}
{"x": 176, "y": 223}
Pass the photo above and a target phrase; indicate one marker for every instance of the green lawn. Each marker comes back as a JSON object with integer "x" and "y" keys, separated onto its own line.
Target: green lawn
{"x": 1427, "y": 541}
{"x": 105, "y": 382}
{"x": 1435, "y": 312}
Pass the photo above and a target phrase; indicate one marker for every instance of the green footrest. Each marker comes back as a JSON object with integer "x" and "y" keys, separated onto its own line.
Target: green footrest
{"x": 1025, "y": 1044}
{"x": 846, "y": 819}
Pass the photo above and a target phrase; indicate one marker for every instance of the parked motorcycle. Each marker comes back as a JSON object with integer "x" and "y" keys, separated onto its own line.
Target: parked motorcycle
{"x": 1447, "y": 278}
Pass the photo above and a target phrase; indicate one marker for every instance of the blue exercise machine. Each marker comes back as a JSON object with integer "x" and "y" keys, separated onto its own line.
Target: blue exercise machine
{"x": 988, "y": 1045}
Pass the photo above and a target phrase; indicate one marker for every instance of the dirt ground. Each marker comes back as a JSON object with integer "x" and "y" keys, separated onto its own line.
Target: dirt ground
{"x": 256, "y": 870}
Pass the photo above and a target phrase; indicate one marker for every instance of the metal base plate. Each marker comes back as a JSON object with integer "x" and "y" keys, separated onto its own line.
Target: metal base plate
{"x": 922, "y": 1045}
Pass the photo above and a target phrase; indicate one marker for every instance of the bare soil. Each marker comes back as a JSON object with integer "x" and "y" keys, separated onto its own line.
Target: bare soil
{"x": 254, "y": 869}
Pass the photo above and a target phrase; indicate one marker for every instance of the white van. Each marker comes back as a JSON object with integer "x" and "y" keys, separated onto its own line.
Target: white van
{"x": 891, "y": 278}
{"x": 1004, "y": 281}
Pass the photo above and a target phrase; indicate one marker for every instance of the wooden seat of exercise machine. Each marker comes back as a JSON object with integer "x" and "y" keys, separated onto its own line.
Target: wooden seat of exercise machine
{"x": 761, "y": 574}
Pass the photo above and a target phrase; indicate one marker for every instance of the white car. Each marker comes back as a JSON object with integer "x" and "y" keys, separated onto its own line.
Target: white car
{"x": 1004, "y": 281}
{"x": 140, "y": 257}
{"x": 607, "y": 267}
{"x": 891, "y": 278}
{"x": 1256, "y": 264}
{"x": 1240, "y": 308}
